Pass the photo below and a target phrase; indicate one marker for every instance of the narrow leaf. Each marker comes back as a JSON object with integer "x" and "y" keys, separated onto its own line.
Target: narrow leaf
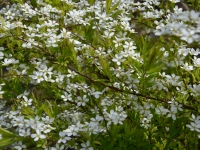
{"x": 155, "y": 69}
{"x": 108, "y": 5}
{"x": 115, "y": 6}
{"x": 5, "y": 142}
{"x": 91, "y": 2}
{"x": 6, "y": 133}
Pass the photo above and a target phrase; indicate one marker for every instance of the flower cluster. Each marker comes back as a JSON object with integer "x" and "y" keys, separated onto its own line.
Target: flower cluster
{"x": 103, "y": 74}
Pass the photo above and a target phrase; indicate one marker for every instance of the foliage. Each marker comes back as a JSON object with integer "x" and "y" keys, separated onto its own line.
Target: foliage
{"x": 107, "y": 75}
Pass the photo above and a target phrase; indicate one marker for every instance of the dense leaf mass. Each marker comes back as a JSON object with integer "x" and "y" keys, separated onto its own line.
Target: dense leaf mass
{"x": 99, "y": 74}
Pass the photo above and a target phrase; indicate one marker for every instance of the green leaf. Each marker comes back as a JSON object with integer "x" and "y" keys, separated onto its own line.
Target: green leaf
{"x": 115, "y": 6}
{"x": 97, "y": 142}
{"x": 2, "y": 22}
{"x": 18, "y": 1}
{"x": 34, "y": 3}
{"x": 158, "y": 68}
{"x": 121, "y": 143}
{"x": 151, "y": 76}
{"x": 47, "y": 109}
{"x": 135, "y": 64}
{"x": 108, "y": 5}
{"x": 6, "y": 133}
{"x": 145, "y": 145}
{"x": 7, "y": 137}
{"x": 27, "y": 111}
{"x": 152, "y": 57}
{"x": 6, "y": 141}
{"x": 179, "y": 121}
{"x": 110, "y": 146}
{"x": 91, "y": 2}
{"x": 175, "y": 133}
{"x": 116, "y": 148}
{"x": 101, "y": 80}
{"x": 116, "y": 13}
{"x": 105, "y": 67}
{"x": 89, "y": 34}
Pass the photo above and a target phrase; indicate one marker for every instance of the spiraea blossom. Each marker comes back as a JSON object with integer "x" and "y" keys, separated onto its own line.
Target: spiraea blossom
{"x": 109, "y": 74}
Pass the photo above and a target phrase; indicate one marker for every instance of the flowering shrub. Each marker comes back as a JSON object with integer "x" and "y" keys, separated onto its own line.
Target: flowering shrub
{"x": 104, "y": 74}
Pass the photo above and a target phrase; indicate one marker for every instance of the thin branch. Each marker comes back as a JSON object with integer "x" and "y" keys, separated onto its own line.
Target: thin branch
{"x": 134, "y": 93}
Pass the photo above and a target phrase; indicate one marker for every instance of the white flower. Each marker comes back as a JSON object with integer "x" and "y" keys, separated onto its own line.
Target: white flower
{"x": 18, "y": 121}
{"x": 24, "y": 94}
{"x": 115, "y": 117}
{"x": 118, "y": 59}
{"x": 196, "y": 61}
{"x": 95, "y": 121}
{"x": 86, "y": 146}
{"x": 72, "y": 130}
{"x": 195, "y": 119}
{"x": 175, "y": 1}
{"x": 71, "y": 74}
{"x": 27, "y": 102}
{"x": 187, "y": 67}
{"x": 38, "y": 76}
{"x": 194, "y": 52}
{"x": 63, "y": 137}
{"x": 194, "y": 16}
{"x": 50, "y": 23}
{"x": 59, "y": 77}
{"x": 108, "y": 34}
{"x": 189, "y": 35}
{"x": 66, "y": 97}
{"x": 51, "y": 43}
{"x": 1, "y": 137}
{"x": 24, "y": 132}
{"x": 8, "y": 61}
{"x": 48, "y": 78}
{"x": 82, "y": 101}
{"x": 43, "y": 68}
{"x": 1, "y": 55}
{"x": 173, "y": 79}
{"x": 145, "y": 109}
{"x": 19, "y": 145}
{"x": 48, "y": 120}
{"x": 161, "y": 110}
{"x": 1, "y": 92}
{"x": 194, "y": 127}
{"x": 184, "y": 51}
{"x": 38, "y": 135}
{"x": 176, "y": 106}
{"x": 9, "y": 15}
{"x": 58, "y": 147}
{"x": 172, "y": 113}
{"x": 76, "y": 16}
{"x": 195, "y": 89}
{"x": 65, "y": 34}
{"x": 96, "y": 94}
{"x": 47, "y": 128}
{"x": 129, "y": 45}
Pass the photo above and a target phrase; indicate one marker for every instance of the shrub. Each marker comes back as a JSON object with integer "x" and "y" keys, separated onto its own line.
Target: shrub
{"x": 99, "y": 75}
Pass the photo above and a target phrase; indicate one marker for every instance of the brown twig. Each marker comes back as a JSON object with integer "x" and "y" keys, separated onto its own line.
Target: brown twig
{"x": 130, "y": 92}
